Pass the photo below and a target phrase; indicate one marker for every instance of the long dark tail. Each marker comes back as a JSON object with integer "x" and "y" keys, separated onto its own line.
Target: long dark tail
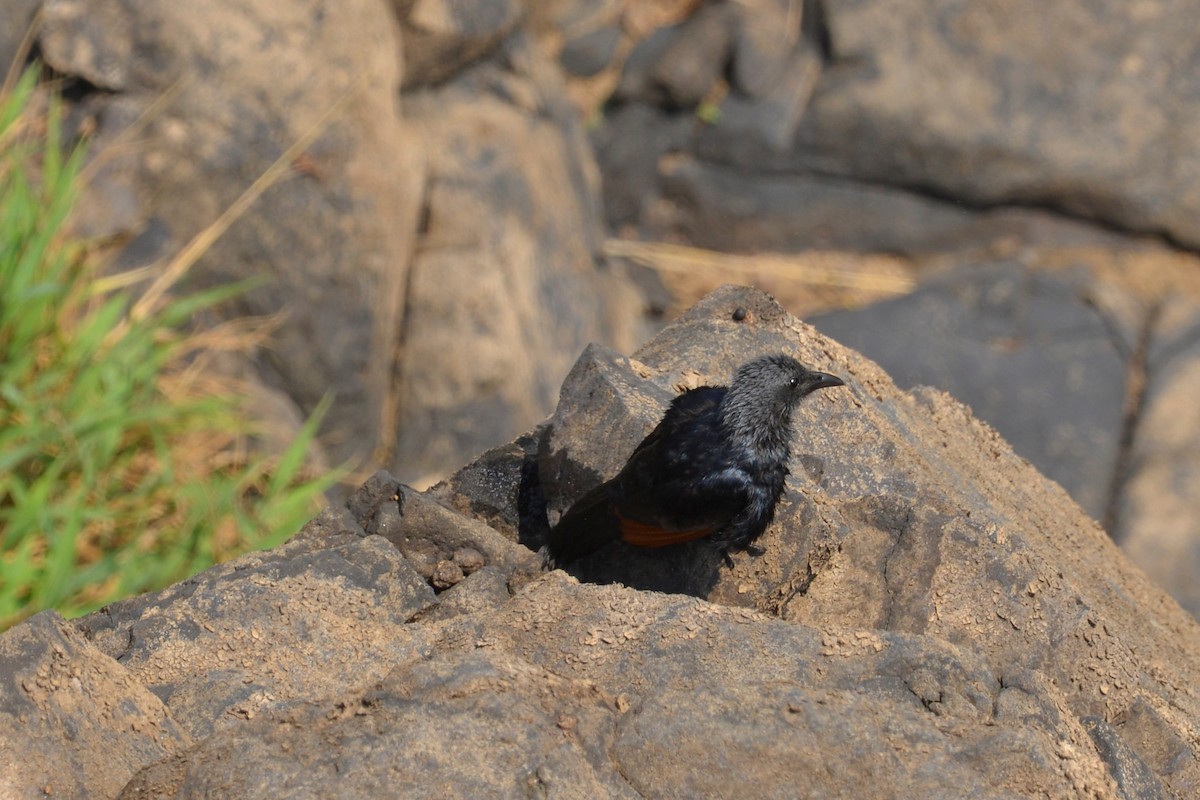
{"x": 587, "y": 526}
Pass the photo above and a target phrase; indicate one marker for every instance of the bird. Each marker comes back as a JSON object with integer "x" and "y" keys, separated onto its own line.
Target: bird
{"x": 713, "y": 467}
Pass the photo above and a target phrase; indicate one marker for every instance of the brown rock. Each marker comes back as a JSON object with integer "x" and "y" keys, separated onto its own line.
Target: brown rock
{"x": 73, "y": 722}
{"x": 504, "y": 291}
{"x": 230, "y": 92}
{"x": 903, "y": 514}
{"x": 306, "y": 620}
{"x": 931, "y": 618}
{"x": 605, "y": 691}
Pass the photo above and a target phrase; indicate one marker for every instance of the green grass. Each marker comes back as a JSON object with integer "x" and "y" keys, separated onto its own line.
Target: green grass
{"x": 121, "y": 470}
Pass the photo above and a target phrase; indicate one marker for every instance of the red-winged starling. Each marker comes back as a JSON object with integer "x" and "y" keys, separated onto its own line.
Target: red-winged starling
{"x": 715, "y": 466}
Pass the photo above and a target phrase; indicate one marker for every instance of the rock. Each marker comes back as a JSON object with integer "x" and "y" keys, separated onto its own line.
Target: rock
{"x": 637, "y": 82}
{"x": 230, "y": 92}
{"x": 972, "y": 112}
{"x": 1134, "y": 779}
{"x": 429, "y": 533}
{"x": 765, "y": 34}
{"x": 589, "y": 53}
{"x": 1025, "y": 349}
{"x": 718, "y": 207}
{"x": 1072, "y": 336}
{"x": 500, "y": 488}
{"x": 606, "y": 691}
{"x": 73, "y": 722}
{"x": 505, "y": 289}
{"x": 694, "y": 59}
{"x": 419, "y": 734}
{"x": 19, "y": 15}
{"x": 446, "y": 574}
{"x": 89, "y": 39}
{"x": 630, "y": 142}
{"x": 931, "y": 617}
{"x": 468, "y": 559}
{"x": 1156, "y": 519}
{"x": 364, "y": 243}
{"x": 603, "y": 392}
{"x": 307, "y": 620}
{"x": 483, "y": 590}
{"x": 725, "y": 207}
{"x": 903, "y": 514}
{"x": 749, "y": 129}
{"x": 441, "y": 37}
{"x": 986, "y": 105}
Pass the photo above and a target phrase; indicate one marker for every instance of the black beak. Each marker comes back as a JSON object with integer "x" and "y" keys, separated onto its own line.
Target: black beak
{"x": 821, "y": 380}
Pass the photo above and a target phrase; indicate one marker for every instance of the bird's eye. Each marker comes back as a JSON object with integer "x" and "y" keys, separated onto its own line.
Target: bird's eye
{"x": 793, "y": 381}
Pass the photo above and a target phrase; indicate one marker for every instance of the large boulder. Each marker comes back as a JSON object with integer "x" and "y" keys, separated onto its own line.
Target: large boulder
{"x": 213, "y": 96}
{"x": 507, "y": 284}
{"x": 1088, "y": 371}
{"x": 444, "y": 217}
{"x": 931, "y": 616}
{"x": 901, "y": 126}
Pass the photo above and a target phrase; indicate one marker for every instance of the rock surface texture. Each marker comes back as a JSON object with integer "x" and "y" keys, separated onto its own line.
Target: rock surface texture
{"x": 900, "y": 126}
{"x": 1085, "y": 372}
{"x": 932, "y": 617}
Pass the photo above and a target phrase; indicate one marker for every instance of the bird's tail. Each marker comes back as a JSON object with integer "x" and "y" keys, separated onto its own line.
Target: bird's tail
{"x": 588, "y": 525}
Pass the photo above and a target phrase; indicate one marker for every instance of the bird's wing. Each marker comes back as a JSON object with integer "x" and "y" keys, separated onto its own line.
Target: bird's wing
{"x": 644, "y": 534}
{"x": 684, "y": 508}
{"x": 587, "y": 526}
{"x": 679, "y": 484}
{"x": 675, "y": 486}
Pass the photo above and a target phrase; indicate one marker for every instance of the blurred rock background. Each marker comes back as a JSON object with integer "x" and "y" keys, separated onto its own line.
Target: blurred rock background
{"x": 996, "y": 199}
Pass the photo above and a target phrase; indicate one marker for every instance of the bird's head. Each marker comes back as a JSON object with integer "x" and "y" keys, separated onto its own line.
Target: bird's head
{"x": 764, "y": 393}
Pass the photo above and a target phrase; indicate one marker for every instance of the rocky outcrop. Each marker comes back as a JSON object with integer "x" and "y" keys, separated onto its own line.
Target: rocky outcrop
{"x": 896, "y": 126}
{"x": 212, "y": 100}
{"x": 931, "y": 616}
{"x": 506, "y": 285}
{"x": 1083, "y": 369}
{"x": 448, "y": 206}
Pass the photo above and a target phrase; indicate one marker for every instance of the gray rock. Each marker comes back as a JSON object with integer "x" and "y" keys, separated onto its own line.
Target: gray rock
{"x": 995, "y": 106}
{"x": 1024, "y": 348}
{"x": 589, "y": 53}
{"x": 973, "y": 111}
{"x": 695, "y": 58}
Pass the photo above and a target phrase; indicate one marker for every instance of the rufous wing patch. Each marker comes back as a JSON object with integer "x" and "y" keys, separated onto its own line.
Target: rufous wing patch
{"x": 641, "y": 534}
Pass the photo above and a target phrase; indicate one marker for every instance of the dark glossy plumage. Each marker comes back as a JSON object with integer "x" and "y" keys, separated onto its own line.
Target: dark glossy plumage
{"x": 714, "y": 466}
